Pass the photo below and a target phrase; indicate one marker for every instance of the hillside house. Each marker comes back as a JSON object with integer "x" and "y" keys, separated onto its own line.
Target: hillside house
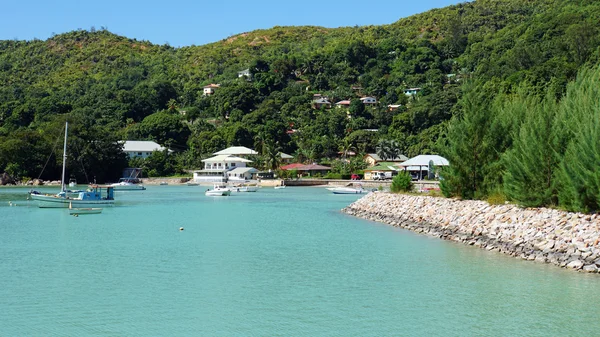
{"x": 369, "y": 100}
{"x": 411, "y": 91}
{"x": 238, "y": 151}
{"x": 210, "y": 89}
{"x": 245, "y": 73}
{"x": 321, "y": 102}
{"x": 393, "y": 107}
{"x": 343, "y": 104}
{"x": 141, "y": 148}
{"x": 286, "y": 158}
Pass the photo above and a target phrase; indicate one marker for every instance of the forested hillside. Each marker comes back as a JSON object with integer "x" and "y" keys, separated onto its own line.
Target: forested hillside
{"x": 113, "y": 88}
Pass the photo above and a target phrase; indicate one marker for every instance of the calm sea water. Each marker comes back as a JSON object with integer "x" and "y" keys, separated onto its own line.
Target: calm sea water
{"x": 272, "y": 263}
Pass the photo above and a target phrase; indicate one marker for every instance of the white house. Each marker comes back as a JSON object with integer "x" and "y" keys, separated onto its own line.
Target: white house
{"x": 321, "y": 102}
{"x": 246, "y": 73}
{"x": 228, "y": 164}
{"x": 210, "y": 89}
{"x": 369, "y": 100}
{"x": 241, "y": 174}
{"x": 141, "y": 148}
{"x": 216, "y": 168}
{"x": 411, "y": 91}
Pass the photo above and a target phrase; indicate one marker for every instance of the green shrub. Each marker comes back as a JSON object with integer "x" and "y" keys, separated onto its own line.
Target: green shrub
{"x": 496, "y": 198}
{"x": 402, "y": 183}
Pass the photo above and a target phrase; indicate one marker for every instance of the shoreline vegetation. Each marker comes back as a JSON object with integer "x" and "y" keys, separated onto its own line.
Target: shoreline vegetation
{"x": 565, "y": 239}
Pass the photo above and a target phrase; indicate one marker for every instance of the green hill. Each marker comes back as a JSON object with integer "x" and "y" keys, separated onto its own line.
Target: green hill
{"x": 111, "y": 87}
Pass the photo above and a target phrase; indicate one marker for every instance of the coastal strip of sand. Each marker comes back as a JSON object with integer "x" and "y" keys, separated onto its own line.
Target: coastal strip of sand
{"x": 566, "y": 239}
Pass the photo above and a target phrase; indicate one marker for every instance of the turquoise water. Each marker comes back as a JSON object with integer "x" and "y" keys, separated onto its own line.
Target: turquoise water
{"x": 272, "y": 263}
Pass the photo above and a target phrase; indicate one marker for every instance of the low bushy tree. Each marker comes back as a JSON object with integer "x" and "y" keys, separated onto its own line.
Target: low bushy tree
{"x": 402, "y": 183}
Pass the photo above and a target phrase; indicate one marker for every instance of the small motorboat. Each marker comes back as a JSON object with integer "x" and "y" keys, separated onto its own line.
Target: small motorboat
{"x": 128, "y": 184}
{"x": 163, "y": 183}
{"x": 244, "y": 188}
{"x": 280, "y": 186}
{"x": 78, "y": 211}
{"x": 218, "y": 190}
{"x": 348, "y": 189}
{"x": 89, "y": 210}
{"x": 192, "y": 183}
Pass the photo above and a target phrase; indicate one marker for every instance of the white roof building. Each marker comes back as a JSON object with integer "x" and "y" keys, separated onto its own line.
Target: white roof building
{"x": 141, "y": 148}
{"x": 420, "y": 163}
{"x": 423, "y": 160}
{"x": 241, "y": 174}
{"x": 225, "y": 158}
{"x": 236, "y": 151}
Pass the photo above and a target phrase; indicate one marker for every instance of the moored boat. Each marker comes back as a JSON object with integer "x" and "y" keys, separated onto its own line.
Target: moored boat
{"x": 349, "y": 189}
{"x": 90, "y": 210}
{"x": 128, "y": 184}
{"x": 218, "y": 190}
{"x": 89, "y": 198}
{"x": 244, "y": 188}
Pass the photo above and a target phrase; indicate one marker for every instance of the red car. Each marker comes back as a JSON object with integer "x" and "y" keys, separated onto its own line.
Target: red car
{"x": 354, "y": 177}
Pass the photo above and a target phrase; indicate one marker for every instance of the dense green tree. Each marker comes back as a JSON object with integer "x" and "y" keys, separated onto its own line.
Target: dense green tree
{"x": 532, "y": 161}
{"x": 578, "y": 135}
{"x": 467, "y": 147}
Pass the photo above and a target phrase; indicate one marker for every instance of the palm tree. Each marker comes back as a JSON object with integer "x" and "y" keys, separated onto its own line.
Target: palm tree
{"x": 383, "y": 149}
{"x": 394, "y": 149}
{"x": 345, "y": 148}
{"x": 272, "y": 155}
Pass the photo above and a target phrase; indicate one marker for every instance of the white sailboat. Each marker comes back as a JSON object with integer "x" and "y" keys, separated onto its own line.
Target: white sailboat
{"x": 93, "y": 196}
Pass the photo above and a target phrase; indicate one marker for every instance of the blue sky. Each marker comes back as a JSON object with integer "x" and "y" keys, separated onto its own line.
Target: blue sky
{"x": 187, "y": 22}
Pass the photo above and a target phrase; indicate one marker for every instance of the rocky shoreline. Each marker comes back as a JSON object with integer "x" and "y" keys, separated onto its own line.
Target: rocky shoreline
{"x": 565, "y": 239}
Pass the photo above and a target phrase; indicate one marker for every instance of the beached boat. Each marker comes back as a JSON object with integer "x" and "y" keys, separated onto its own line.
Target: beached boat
{"x": 218, "y": 190}
{"x": 91, "y": 197}
{"x": 349, "y": 189}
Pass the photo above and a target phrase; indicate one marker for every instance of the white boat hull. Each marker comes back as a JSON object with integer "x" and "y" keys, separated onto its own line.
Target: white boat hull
{"x": 132, "y": 187}
{"x": 78, "y": 211}
{"x": 51, "y": 201}
{"x": 245, "y": 189}
{"x": 213, "y": 193}
{"x": 344, "y": 190}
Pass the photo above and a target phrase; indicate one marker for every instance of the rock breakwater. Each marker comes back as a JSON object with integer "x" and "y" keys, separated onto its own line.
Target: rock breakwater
{"x": 569, "y": 240}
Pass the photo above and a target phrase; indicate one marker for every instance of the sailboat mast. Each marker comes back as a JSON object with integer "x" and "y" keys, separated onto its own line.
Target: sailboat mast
{"x": 62, "y": 181}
